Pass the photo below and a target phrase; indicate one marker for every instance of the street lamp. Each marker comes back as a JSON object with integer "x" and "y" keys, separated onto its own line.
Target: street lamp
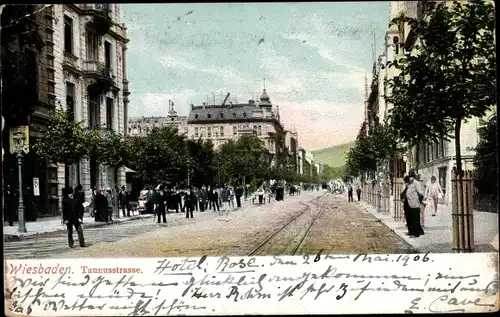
{"x": 19, "y": 138}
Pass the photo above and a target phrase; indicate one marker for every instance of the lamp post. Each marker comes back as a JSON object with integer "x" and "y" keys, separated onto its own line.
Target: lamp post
{"x": 19, "y": 139}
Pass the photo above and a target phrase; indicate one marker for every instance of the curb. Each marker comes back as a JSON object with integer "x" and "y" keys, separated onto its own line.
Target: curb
{"x": 19, "y": 237}
{"x": 392, "y": 230}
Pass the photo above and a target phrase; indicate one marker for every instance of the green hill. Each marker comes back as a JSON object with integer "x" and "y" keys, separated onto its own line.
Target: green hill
{"x": 334, "y": 156}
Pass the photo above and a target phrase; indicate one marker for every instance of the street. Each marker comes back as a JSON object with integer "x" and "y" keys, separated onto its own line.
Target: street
{"x": 303, "y": 224}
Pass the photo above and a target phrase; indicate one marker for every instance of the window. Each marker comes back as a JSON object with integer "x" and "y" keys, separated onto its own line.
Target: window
{"x": 209, "y": 132}
{"x": 221, "y": 115}
{"x": 107, "y": 54}
{"x": 68, "y": 35}
{"x": 255, "y": 128}
{"x": 70, "y": 100}
{"x": 196, "y": 116}
{"x": 202, "y": 131}
{"x": 244, "y": 114}
{"x": 109, "y": 113}
{"x": 221, "y": 128}
{"x": 171, "y": 119}
{"x": 235, "y": 130}
{"x": 31, "y": 79}
{"x": 234, "y": 114}
{"x": 259, "y": 130}
{"x": 94, "y": 113}
{"x": 196, "y": 132}
{"x": 209, "y": 116}
{"x": 92, "y": 47}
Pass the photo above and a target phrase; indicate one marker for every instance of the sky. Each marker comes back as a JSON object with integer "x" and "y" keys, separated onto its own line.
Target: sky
{"x": 312, "y": 60}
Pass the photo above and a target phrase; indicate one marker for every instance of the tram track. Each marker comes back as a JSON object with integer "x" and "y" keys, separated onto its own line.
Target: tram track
{"x": 285, "y": 237}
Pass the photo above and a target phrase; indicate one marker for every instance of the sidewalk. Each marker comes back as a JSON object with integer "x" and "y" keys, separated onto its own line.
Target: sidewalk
{"x": 438, "y": 237}
{"x": 53, "y": 224}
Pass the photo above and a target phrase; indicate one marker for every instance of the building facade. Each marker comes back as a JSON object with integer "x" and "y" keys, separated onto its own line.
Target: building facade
{"x": 433, "y": 158}
{"x": 90, "y": 80}
{"x": 142, "y": 126}
{"x": 220, "y": 123}
{"x": 27, "y": 95}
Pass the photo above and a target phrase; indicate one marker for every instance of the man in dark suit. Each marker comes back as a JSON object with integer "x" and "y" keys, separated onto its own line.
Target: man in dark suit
{"x": 72, "y": 217}
{"x": 160, "y": 205}
{"x": 238, "y": 194}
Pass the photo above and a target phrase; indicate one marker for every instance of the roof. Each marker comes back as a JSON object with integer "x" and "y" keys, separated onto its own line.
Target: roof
{"x": 235, "y": 112}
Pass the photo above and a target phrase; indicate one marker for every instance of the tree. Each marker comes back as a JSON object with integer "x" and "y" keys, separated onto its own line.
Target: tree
{"x": 485, "y": 163}
{"x": 202, "y": 162}
{"x": 160, "y": 156}
{"x": 452, "y": 79}
{"x": 65, "y": 141}
{"x": 242, "y": 160}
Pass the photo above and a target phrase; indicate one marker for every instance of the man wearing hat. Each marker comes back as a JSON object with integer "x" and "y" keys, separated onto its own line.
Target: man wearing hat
{"x": 72, "y": 216}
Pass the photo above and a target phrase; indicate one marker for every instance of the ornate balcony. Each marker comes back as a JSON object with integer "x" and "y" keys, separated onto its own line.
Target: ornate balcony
{"x": 100, "y": 77}
{"x": 99, "y": 18}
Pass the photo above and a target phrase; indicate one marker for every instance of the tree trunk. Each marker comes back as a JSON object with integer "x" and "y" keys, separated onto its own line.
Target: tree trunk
{"x": 458, "y": 154}
{"x": 417, "y": 157}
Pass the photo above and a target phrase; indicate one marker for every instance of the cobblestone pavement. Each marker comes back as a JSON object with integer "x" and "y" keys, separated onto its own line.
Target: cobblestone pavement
{"x": 345, "y": 227}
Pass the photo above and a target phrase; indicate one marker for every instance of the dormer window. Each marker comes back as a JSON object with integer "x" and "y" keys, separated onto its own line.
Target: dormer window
{"x": 209, "y": 116}
{"x": 196, "y": 116}
{"x": 234, "y": 114}
{"x": 244, "y": 114}
{"x": 221, "y": 115}
{"x": 172, "y": 119}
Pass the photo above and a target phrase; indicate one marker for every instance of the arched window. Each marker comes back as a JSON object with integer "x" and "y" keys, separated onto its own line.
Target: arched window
{"x": 209, "y": 116}
{"x": 234, "y": 114}
{"x": 259, "y": 130}
{"x": 196, "y": 116}
{"x": 235, "y": 130}
{"x": 244, "y": 114}
{"x": 221, "y": 115}
{"x": 196, "y": 131}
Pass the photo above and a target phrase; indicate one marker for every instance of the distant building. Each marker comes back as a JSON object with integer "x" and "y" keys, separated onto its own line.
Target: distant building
{"x": 220, "y": 123}
{"x": 142, "y": 126}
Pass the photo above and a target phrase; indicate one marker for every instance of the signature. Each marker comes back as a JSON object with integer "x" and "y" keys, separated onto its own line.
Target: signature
{"x": 448, "y": 304}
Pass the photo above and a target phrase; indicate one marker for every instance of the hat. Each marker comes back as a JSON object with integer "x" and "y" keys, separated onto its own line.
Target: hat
{"x": 412, "y": 174}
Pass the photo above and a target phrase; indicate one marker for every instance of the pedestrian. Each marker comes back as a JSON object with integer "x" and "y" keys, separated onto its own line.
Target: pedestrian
{"x": 196, "y": 199}
{"x": 124, "y": 200}
{"x": 231, "y": 198}
{"x": 434, "y": 193}
{"x": 189, "y": 202}
{"x": 100, "y": 207}
{"x": 415, "y": 197}
{"x": 109, "y": 199}
{"x": 238, "y": 193}
{"x": 224, "y": 199}
{"x": 159, "y": 205}
{"x": 11, "y": 202}
{"x": 349, "y": 193}
{"x": 406, "y": 207}
{"x": 214, "y": 200}
{"x": 203, "y": 197}
{"x": 358, "y": 192}
{"x": 73, "y": 217}
{"x": 149, "y": 201}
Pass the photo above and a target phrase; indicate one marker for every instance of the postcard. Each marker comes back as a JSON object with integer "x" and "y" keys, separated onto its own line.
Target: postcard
{"x": 249, "y": 158}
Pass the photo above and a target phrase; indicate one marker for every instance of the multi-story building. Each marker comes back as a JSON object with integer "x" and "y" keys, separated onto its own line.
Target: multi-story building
{"x": 220, "y": 123}
{"x": 290, "y": 150}
{"x": 90, "y": 80}
{"x": 142, "y": 126}
{"x": 435, "y": 158}
{"x": 27, "y": 95}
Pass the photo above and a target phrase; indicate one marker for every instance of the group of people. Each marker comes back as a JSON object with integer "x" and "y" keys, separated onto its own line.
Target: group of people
{"x": 106, "y": 203}
{"x": 415, "y": 199}
{"x": 350, "y": 193}
{"x": 161, "y": 200}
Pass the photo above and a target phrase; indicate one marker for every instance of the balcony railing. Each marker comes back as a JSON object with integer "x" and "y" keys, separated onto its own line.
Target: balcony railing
{"x": 98, "y": 69}
{"x": 97, "y": 8}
